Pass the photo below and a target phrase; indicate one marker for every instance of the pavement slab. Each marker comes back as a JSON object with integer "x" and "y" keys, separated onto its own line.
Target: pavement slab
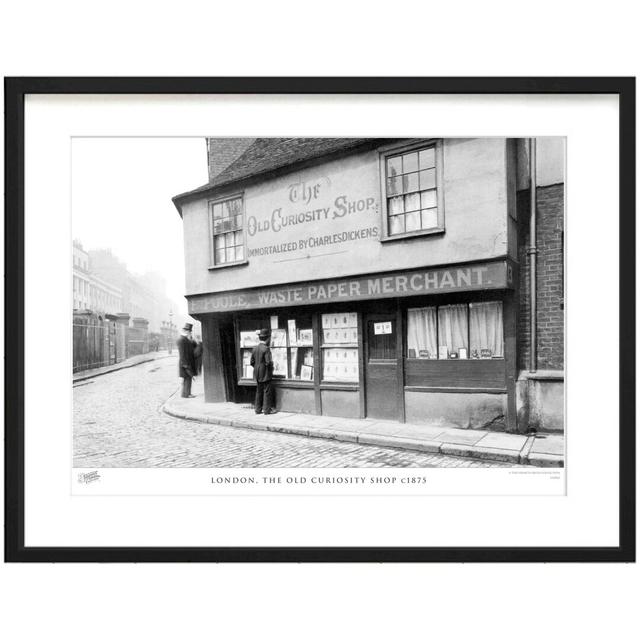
{"x": 548, "y": 443}
{"x": 461, "y": 436}
{"x": 510, "y": 441}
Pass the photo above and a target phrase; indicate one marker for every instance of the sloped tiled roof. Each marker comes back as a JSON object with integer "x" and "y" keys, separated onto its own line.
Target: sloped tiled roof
{"x": 268, "y": 154}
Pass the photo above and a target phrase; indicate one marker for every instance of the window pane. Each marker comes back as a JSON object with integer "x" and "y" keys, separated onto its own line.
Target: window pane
{"x": 394, "y": 166}
{"x": 485, "y": 328}
{"x": 217, "y": 225}
{"x": 217, "y": 211}
{"x": 340, "y": 365}
{"x": 429, "y": 218}
{"x": 410, "y": 162}
{"x": 394, "y": 186}
{"x": 302, "y": 363}
{"x": 238, "y": 238}
{"x": 421, "y": 333}
{"x": 412, "y": 221}
{"x": 220, "y": 256}
{"x": 396, "y": 224}
{"x": 427, "y": 158}
{"x": 410, "y": 182}
{"x": 219, "y": 242}
{"x": 240, "y": 253}
{"x": 231, "y": 254}
{"x": 232, "y": 207}
{"x": 239, "y": 222}
{"x": 229, "y": 239}
{"x": 382, "y": 346}
{"x": 452, "y": 331}
{"x": 428, "y": 179}
{"x": 412, "y": 202}
{"x": 428, "y": 199}
{"x": 280, "y": 362}
{"x": 396, "y": 205}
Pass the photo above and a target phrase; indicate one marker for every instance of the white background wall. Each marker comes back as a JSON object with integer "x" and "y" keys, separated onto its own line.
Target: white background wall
{"x": 274, "y": 601}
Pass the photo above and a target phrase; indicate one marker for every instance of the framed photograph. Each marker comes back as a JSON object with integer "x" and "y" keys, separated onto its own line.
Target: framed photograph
{"x": 152, "y": 233}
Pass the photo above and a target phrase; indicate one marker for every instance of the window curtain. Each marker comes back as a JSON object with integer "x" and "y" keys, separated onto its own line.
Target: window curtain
{"x": 421, "y": 332}
{"x": 485, "y": 327}
{"x": 453, "y": 327}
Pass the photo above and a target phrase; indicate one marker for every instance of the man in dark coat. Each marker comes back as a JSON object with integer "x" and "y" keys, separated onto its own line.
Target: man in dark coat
{"x": 186, "y": 362}
{"x": 262, "y": 373}
{"x": 197, "y": 354}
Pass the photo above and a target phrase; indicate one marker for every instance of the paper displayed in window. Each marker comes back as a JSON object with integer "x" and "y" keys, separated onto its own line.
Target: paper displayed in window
{"x": 279, "y": 357}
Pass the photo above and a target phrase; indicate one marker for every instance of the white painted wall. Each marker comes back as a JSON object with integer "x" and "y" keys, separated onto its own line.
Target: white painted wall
{"x": 475, "y": 202}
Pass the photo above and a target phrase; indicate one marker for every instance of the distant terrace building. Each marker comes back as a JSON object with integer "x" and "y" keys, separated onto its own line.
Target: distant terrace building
{"x": 89, "y": 291}
{"x": 142, "y": 296}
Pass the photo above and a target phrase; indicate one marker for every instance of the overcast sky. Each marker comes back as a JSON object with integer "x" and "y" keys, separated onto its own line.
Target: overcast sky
{"x": 121, "y": 199}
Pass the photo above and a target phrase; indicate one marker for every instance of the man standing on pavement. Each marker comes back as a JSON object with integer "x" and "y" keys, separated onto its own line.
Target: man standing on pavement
{"x": 186, "y": 362}
{"x": 262, "y": 373}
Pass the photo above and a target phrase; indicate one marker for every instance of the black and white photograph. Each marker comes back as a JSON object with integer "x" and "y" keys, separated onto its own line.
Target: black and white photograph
{"x": 315, "y": 302}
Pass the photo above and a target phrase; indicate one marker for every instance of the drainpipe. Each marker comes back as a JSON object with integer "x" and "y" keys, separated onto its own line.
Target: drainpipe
{"x": 532, "y": 252}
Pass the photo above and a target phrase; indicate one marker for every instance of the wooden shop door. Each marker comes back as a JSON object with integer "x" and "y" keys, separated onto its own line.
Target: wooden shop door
{"x": 381, "y": 366}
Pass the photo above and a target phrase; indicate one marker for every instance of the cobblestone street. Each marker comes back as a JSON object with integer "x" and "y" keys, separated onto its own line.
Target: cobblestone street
{"x": 118, "y": 422}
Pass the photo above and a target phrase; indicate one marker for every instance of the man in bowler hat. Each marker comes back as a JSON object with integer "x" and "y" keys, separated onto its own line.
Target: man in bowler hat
{"x": 186, "y": 362}
{"x": 262, "y": 373}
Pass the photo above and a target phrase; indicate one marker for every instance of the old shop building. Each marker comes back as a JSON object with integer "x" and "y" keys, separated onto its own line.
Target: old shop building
{"x": 394, "y": 275}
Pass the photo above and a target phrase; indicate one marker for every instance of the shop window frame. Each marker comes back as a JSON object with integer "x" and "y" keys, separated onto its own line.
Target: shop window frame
{"x": 390, "y": 151}
{"x": 437, "y": 307}
{"x": 455, "y": 375}
{"x": 263, "y": 321}
{"x": 326, "y": 384}
{"x": 212, "y": 249}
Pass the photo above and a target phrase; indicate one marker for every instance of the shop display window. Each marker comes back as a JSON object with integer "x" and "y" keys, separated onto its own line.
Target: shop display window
{"x": 453, "y": 331}
{"x": 340, "y": 347}
{"x": 248, "y": 340}
{"x": 291, "y": 347}
{"x": 485, "y": 330}
{"x": 456, "y": 332}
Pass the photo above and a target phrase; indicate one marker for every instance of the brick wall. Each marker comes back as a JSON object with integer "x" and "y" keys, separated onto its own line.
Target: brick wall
{"x": 221, "y": 152}
{"x": 550, "y": 275}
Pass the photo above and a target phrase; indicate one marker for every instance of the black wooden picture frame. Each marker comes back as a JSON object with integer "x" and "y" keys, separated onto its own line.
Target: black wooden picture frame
{"x": 15, "y": 91}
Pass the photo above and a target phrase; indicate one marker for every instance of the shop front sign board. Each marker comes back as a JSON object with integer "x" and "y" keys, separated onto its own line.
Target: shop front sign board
{"x": 416, "y": 282}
